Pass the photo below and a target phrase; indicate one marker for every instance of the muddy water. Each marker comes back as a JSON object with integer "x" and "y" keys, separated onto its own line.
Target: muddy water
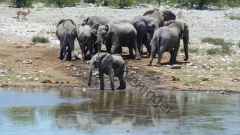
{"x": 49, "y": 112}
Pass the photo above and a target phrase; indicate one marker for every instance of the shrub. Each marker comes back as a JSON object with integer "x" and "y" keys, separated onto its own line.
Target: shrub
{"x": 190, "y": 50}
{"x": 38, "y": 39}
{"x": 213, "y": 51}
{"x": 22, "y": 3}
{"x": 215, "y": 41}
{"x": 225, "y": 46}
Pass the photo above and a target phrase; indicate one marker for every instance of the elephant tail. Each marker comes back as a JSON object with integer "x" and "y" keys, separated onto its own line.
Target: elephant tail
{"x": 60, "y": 22}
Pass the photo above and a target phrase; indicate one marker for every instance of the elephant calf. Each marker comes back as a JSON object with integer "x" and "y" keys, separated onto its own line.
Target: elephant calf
{"x": 66, "y": 33}
{"x": 110, "y": 64}
{"x": 167, "y": 39}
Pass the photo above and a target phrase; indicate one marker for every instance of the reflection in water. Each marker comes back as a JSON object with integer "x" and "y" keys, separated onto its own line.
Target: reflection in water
{"x": 107, "y": 112}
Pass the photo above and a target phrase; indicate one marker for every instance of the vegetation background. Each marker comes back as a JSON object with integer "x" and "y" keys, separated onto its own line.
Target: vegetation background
{"x": 198, "y": 4}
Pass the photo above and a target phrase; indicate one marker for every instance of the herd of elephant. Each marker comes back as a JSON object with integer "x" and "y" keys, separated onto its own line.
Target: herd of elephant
{"x": 158, "y": 31}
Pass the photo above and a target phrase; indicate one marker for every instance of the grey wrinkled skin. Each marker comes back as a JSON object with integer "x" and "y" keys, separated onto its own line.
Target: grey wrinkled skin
{"x": 66, "y": 33}
{"x": 161, "y": 17}
{"x": 143, "y": 25}
{"x": 117, "y": 36}
{"x": 110, "y": 64}
{"x": 91, "y": 20}
{"x": 167, "y": 39}
{"x": 86, "y": 40}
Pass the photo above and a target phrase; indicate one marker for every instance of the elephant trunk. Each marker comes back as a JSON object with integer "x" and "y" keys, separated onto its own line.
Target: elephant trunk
{"x": 185, "y": 43}
{"x": 90, "y": 74}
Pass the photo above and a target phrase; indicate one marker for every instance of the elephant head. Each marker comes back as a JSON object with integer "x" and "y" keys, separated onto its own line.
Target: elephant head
{"x": 99, "y": 60}
{"x": 145, "y": 24}
{"x": 168, "y": 15}
{"x": 87, "y": 21}
{"x": 102, "y": 33}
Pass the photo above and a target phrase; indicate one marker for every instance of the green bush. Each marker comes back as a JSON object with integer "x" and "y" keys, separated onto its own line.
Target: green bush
{"x": 190, "y": 50}
{"x": 225, "y": 46}
{"x": 38, "y": 39}
{"x": 215, "y": 41}
{"x": 22, "y": 3}
{"x": 122, "y": 3}
{"x": 213, "y": 51}
{"x": 239, "y": 44}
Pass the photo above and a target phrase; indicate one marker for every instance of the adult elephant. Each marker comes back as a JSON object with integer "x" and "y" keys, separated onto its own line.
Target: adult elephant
{"x": 91, "y": 20}
{"x": 117, "y": 36}
{"x": 143, "y": 25}
{"x": 110, "y": 64}
{"x": 167, "y": 39}
{"x": 161, "y": 17}
{"x": 86, "y": 41}
{"x": 66, "y": 33}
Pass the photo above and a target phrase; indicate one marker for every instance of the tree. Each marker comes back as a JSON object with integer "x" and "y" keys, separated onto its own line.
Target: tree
{"x": 22, "y": 3}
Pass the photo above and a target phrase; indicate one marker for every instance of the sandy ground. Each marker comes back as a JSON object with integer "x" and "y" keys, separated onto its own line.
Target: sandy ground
{"x": 23, "y": 63}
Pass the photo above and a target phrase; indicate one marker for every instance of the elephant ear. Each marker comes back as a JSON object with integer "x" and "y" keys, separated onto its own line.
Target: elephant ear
{"x": 75, "y": 32}
{"x": 89, "y": 21}
{"x": 140, "y": 26}
{"x": 106, "y": 61}
{"x": 185, "y": 31}
{"x": 169, "y": 22}
{"x": 94, "y": 28}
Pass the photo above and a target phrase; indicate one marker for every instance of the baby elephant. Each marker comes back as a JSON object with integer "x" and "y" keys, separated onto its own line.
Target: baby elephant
{"x": 110, "y": 64}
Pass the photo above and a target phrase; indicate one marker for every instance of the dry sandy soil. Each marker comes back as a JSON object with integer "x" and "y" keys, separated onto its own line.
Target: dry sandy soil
{"x": 23, "y": 63}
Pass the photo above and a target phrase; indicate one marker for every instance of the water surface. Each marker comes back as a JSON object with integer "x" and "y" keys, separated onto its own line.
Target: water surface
{"x": 74, "y": 111}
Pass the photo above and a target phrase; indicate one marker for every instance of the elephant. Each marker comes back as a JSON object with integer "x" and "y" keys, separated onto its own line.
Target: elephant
{"x": 110, "y": 64}
{"x": 86, "y": 40}
{"x": 66, "y": 33}
{"x": 161, "y": 17}
{"x": 167, "y": 39}
{"x": 143, "y": 25}
{"x": 116, "y": 36}
{"x": 91, "y": 20}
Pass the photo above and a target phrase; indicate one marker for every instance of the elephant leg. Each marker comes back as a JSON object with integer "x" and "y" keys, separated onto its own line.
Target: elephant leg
{"x": 139, "y": 42}
{"x": 161, "y": 50}
{"x": 122, "y": 82}
{"x": 147, "y": 43}
{"x": 111, "y": 74}
{"x": 101, "y": 77}
{"x": 83, "y": 52}
{"x": 152, "y": 55}
{"x": 130, "y": 52}
{"x": 173, "y": 59}
{"x": 64, "y": 51}
{"x": 71, "y": 46}
{"x": 136, "y": 48}
{"x": 115, "y": 48}
{"x": 60, "y": 55}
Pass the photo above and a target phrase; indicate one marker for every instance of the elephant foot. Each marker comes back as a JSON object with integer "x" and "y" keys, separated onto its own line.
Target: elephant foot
{"x": 101, "y": 88}
{"x": 73, "y": 59}
{"x": 158, "y": 65}
{"x": 138, "y": 58}
{"x": 65, "y": 59}
{"x": 173, "y": 62}
{"x": 149, "y": 64}
{"x": 121, "y": 88}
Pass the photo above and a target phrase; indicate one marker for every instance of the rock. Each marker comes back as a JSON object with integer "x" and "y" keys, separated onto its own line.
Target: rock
{"x": 206, "y": 66}
{"x": 2, "y": 73}
{"x": 176, "y": 66}
{"x": 222, "y": 92}
{"x": 36, "y": 79}
{"x": 135, "y": 68}
{"x": 46, "y": 81}
{"x": 69, "y": 65}
{"x": 205, "y": 79}
{"x": 175, "y": 78}
{"x": 27, "y": 62}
